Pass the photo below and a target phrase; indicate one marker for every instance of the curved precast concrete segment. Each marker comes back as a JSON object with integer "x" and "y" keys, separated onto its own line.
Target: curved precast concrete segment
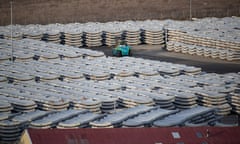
{"x": 30, "y": 116}
{"x": 80, "y": 120}
{"x": 11, "y": 130}
{"x": 5, "y": 116}
{"x": 182, "y": 116}
{"x": 20, "y": 105}
{"x": 204, "y": 120}
{"x": 119, "y": 117}
{"x": 220, "y": 124}
{"x": 131, "y": 97}
{"x": 5, "y": 106}
{"x": 148, "y": 117}
{"x": 52, "y": 119}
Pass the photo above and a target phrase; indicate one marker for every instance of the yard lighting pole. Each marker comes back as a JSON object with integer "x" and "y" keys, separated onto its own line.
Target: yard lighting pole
{"x": 11, "y": 30}
{"x": 190, "y": 10}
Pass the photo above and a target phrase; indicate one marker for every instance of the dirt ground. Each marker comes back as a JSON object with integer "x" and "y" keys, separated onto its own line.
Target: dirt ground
{"x": 70, "y": 11}
{"x": 155, "y": 52}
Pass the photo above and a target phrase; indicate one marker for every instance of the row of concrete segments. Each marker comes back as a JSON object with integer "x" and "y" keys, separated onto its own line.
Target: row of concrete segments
{"x": 209, "y": 37}
{"x": 224, "y": 50}
{"x": 12, "y": 125}
{"x": 215, "y": 94}
{"x": 181, "y": 92}
{"x": 28, "y": 49}
{"x": 91, "y": 34}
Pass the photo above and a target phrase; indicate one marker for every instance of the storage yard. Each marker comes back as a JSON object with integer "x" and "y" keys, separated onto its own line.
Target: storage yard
{"x": 51, "y": 85}
{"x": 63, "y": 76}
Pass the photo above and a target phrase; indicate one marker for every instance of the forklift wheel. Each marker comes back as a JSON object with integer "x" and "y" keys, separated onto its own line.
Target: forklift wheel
{"x": 130, "y": 53}
{"x": 119, "y": 53}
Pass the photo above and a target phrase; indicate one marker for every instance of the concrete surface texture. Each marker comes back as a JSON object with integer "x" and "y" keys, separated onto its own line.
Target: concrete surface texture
{"x": 62, "y": 11}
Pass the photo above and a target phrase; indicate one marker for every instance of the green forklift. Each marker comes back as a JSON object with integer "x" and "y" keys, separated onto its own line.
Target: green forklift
{"x": 121, "y": 49}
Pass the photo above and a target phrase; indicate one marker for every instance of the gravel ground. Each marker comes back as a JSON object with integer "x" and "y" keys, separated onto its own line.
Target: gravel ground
{"x": 155, "y": 52}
